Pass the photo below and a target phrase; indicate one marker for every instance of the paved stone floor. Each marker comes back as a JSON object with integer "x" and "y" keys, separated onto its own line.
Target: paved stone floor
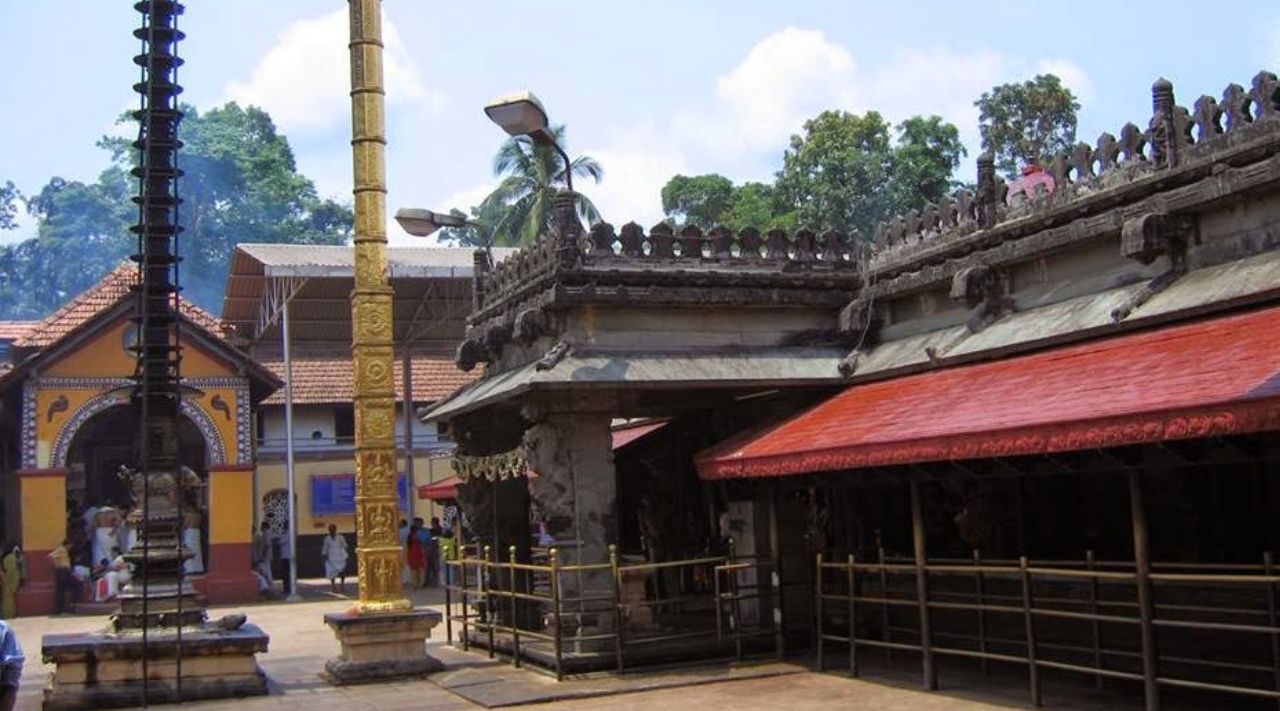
{"x": 300, "y": 643}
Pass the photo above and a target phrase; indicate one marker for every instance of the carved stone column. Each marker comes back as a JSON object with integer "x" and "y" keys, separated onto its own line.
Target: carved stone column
{"x": 576, "y": 493}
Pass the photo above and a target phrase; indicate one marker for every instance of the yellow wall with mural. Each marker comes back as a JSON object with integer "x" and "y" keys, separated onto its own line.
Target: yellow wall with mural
{"x": 104, "y": 356}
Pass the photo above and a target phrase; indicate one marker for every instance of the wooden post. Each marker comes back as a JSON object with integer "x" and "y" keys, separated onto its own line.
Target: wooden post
{"x": 884, "y": 606}
{"x": 462, "y": 585}
{"x": 1146, "y": 606}
{"x": 486, "y": 587}
{"x": 982, "y": 615}
{"x": 1091, "y": 563}
{"x": 511, "y": 588}
{"x": 775, "y": 552}
{"x": 1268, "y": 567}
{"x": 554, "y": 555}
{"x": 817, "y": 604}
{"x": 852, "y": 612}
{"x": 922, "y": 589}
{"x": 735, "y": 607}
{"x": 617, "y": 604}
{"x": 448, "y": 607}
{"x": 1029, "y": 620}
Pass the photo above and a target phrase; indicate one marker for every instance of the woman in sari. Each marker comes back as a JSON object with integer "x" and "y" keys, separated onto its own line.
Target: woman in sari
{"x": 10, "y": 580}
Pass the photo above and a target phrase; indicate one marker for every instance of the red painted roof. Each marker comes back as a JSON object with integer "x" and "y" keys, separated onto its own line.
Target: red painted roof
{"x": 319, "y": 380}
{"x": 10, "y": 330}
{"x": 1208, "y": 378}
{"x": 443, "y": 490}
{"x": 96, "y": 299}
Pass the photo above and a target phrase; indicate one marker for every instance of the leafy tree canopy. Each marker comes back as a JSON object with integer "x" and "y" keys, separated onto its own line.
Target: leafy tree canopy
{"x": 1027, "y": 123}
{"x": 706, "y": 201}
{"x": 241, "y": 184}
{"x": 9, "y": 197}
{"x": 848, "y": 171}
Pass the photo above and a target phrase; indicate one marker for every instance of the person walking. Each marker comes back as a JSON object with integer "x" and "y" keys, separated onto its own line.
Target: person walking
{"x": 12, "y": 576}
{"x": 11, "y": 661}
{"x": 334, "y": 552}
{"x": 63, "y": 584}
{"x": 417, "y": 556}
{"x": 260, "y": 554}
{"x": 403, "y": 533}
{"x": 284, "y": 556}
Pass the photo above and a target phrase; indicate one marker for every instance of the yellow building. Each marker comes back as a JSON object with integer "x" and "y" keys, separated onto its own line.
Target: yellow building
{"x": 68, "y": 429}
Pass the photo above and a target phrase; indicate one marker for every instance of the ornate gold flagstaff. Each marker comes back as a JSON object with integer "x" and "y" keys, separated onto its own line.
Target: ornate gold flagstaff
{"x": 377, "y": 510}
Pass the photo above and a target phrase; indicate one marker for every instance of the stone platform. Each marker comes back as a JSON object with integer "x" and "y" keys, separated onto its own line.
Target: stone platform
{"x": 104, "y": 670}
{"x": 381, "y": 646}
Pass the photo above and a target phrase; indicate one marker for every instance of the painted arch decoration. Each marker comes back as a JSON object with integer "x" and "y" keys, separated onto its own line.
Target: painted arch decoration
{"x": 215, "y": 447}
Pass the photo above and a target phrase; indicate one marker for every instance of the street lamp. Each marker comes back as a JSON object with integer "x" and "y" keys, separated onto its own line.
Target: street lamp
{"x": 521, "y": 114}
{"x": 423, "y": 223}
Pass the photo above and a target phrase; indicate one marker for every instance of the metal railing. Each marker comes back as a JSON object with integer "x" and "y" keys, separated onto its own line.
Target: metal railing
{"x": 544, "y": 612}
{"x": 1023, "y": 596}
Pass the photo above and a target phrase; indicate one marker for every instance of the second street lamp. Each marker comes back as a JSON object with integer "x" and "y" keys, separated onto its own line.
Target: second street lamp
{"x": 521, "y": 114}
{"x": 423, "y": 223}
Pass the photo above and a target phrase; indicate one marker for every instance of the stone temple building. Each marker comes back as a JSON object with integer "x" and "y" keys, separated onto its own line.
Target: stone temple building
{"x": 1029, "y": 427}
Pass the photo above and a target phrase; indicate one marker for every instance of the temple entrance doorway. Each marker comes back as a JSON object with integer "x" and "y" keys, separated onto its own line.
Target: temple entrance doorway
{"x": 104, "y": 443}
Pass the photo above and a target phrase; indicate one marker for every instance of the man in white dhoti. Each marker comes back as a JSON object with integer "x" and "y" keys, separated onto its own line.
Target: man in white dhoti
{"x": 334, "y": 551}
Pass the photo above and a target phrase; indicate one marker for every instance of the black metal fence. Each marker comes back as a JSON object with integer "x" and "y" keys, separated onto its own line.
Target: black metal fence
{"x": 1082, "y": 616}
{"x": 541, "y": 612}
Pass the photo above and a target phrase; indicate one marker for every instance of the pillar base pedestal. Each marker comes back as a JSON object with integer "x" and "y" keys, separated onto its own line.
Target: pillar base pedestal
{"x": 104, "y": 670}
{"x": 381, "y": 646}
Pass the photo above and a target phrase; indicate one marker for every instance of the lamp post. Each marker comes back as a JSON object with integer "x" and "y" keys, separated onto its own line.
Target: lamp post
{"x": 521, "y": 114}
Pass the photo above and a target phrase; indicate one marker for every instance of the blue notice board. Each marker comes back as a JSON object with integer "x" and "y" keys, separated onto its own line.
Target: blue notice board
{"x": 335, "y": 494}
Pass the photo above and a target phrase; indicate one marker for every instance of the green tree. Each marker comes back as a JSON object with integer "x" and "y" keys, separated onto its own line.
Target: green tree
{"x": 1027, "y": 123}
{"x": 927, "y": 154}
{"x": 241, "y": 184}
{"x": 531, "y": 175}
{"x": 709, "y": 200}
{"x": 9, "y": 198}
{"x": 847, "y": 171}
{"x": 700, "y": 200}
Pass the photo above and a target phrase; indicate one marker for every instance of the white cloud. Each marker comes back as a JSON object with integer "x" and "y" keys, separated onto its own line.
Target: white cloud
{"x": 637, "y": 163}
{"x": 793, "y": 74}
{"x": 304, "y": 80}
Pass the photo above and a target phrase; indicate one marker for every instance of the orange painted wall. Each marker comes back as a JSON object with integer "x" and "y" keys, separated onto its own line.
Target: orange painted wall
{"x": 230, "y": 506}
{"x": 105, "y": 356}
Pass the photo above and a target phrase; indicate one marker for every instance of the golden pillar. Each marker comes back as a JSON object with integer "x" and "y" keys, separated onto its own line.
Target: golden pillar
{"x": 377, "y": 509}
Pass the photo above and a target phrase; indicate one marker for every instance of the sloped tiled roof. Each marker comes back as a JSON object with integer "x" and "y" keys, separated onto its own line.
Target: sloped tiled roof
{"x": 11, "y": 330}
{"x": 319, "y": 380}
{"x": 96, "y": 299}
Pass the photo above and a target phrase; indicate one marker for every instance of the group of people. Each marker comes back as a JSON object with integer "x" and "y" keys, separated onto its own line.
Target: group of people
{"x": 425, "y": 550}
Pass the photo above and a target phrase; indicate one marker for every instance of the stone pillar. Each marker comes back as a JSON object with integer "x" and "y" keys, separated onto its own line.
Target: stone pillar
{"x": 43, "y": 495}
{"x": 576, "y": 494}
{"x": 227, "y": 578}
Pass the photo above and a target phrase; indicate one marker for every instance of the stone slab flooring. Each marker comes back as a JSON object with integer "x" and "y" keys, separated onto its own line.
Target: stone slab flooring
{"x": 300, "y": 644}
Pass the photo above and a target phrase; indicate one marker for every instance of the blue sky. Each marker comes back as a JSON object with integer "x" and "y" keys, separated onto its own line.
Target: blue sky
{"x": 649, "y": 89}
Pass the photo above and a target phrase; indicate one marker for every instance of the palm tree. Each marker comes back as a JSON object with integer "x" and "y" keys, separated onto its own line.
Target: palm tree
{"x": 533, "y": 175}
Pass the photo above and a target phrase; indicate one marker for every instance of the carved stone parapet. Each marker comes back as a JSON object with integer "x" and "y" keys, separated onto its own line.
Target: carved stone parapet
{"x": 531, "y": 324}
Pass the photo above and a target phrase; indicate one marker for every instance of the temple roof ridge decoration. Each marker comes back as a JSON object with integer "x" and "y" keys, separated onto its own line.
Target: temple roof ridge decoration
{"x": 1176, "y": 143}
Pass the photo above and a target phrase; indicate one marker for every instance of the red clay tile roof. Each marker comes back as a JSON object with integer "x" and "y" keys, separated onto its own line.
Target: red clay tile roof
{"x": 318, "y": 380}
{"x": 1200, "y": 379}
{"x": 96, "y": 299}
{"x": 10, "y": 330}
